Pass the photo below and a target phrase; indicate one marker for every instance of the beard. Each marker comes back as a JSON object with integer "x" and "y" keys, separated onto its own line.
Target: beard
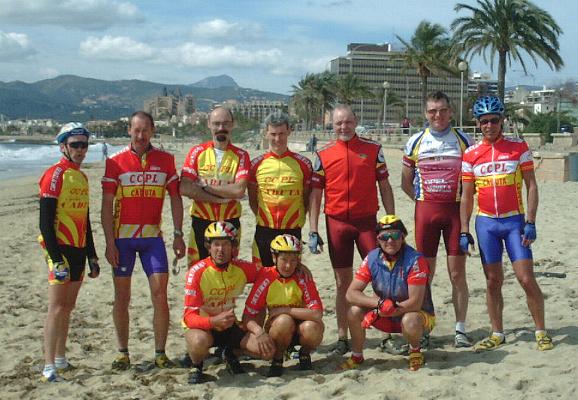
{"x": 221, "y": 136}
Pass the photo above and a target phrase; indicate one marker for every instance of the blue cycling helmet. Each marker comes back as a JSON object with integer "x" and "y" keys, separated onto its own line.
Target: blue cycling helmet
{"x": 488, "y": 105}
{"x": 71, "y": 129}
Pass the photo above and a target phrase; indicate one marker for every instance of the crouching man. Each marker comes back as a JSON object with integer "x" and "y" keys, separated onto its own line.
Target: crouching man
{"x": 401, "y": 299}
{"x": 213, "y": 284}
{"x": 293, "y": 306}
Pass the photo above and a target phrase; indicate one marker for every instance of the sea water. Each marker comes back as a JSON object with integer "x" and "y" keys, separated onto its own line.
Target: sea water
{"x": 22, "y": 159}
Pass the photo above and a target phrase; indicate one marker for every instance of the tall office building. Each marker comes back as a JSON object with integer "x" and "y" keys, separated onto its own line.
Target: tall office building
{"x": 375, "y": 64}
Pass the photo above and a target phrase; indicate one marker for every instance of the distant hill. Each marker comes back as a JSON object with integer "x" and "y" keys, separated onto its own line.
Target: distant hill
{"x": 70, "y": 97}
{"x": 216, "y": 82}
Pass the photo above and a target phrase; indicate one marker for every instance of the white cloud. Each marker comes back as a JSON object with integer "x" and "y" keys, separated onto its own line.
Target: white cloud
{"x": 80, "y": 14}
{"x": 120, "y": 48}
{"x": 14, "y": 46}
{"x": 196, "y": 55}
{"x": 231, "y": 31}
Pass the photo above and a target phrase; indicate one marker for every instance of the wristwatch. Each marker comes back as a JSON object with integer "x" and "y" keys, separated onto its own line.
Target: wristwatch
{"x": 178, "y": 232}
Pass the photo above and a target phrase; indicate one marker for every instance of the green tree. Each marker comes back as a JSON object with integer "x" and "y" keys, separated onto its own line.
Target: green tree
{"x": 428, "y": 52}
{"x": 508, "y": 28}
{"x": 393, "y": 102}
{"x": 547, "y": 123}
{"x": 348, "y": 88}
{"x": 306, "y": 98}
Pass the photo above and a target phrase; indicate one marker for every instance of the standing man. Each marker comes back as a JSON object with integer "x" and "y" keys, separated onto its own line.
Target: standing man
{"x": 278, "y": 189}
{"x": 431, "y": 177}
{"x": 215, "y": 176}
{"x": 67, "y": 239}
{"x": 134, "y": 185}
{"x": 496, "y": 168}
{"x": 347, "y": 169}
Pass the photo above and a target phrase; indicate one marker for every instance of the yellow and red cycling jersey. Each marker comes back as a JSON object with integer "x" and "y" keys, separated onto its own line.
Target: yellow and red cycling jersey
{"x": 281, "y": 182}
{"x": 139, "y": 186}
{"x": 65, "y": 182}
{"x": 201, "y": 165}
{"x": 272, "y": 290}
{"x": 496, "y": 170}
{"x": 211, "y": 290}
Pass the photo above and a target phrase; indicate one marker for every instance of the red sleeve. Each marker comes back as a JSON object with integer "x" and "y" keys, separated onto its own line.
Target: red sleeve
{"x": 244, "y": 166}
{"x": 257, "y": 299}
{"x": 408, "y": 162}
{"x": 194, "y": 299}
{"x": 172, "y": 177}
{"x": 190, "y": 165}
{"x": 419, "y": 273}
{"x": 253, "y": 171}
{"x": 51, "y": 182}
{"x": 311, "y": 297}
{"x": 250, "y": 269}
{"x": 307, "y": 172}
{"x": 363, "y": 274}
{"x": 110, "y": 178}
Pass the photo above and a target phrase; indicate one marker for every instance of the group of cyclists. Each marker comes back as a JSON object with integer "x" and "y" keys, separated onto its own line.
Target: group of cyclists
{"x": 442, "y": 171}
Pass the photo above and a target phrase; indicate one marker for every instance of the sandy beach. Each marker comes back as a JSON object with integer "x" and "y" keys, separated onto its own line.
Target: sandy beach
{"x": 515, "y": 371}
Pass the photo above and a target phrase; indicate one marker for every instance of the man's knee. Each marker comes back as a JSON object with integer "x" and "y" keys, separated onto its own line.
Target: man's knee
{"x": 282, "y": 327}
{"x": 412, "y": 323}
{"x": 311, "y": 333}
{"x": 198, "y": 341}
{"x": 356, "y": 313}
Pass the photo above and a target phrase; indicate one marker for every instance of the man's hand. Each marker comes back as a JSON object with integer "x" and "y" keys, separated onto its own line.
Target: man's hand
{"x": 111, "y": 254}
{"x": 315, "y": 243}
{"x": 386, "y": 308}
{"x": 466, "y": 240}
{"x": 369, "y": 318}
{"x": 223, "y": 320}
{"x": 529, "y": 235}
{"x": 179, "y": 247}
{"x": 94, "y": 268}
{"x": 266, "y": 345}
{"x": 306, "y": 272}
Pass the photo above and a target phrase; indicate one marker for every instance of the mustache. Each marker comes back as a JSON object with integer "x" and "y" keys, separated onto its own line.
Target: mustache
{"x": 223, "y": 131}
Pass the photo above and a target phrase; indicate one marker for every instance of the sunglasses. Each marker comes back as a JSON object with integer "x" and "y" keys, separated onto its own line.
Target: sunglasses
{"x": 493, "y": 121}
{"x": 393, "y": 235}
{"x": 440, "y": 111}
{"x": 78, "y": 145}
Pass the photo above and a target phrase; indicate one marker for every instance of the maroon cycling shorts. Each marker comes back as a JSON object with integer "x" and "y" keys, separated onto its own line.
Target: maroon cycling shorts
{"x": 341, "y": 235}
{"x": 433, "y": 219}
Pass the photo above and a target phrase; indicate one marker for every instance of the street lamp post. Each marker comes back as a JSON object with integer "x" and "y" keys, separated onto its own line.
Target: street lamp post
{"x": 462, "y": 66}
{"x": 385, "y": 87}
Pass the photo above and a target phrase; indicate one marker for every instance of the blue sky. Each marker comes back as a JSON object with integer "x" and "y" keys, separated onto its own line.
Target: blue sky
{"x": 262, "y": 44}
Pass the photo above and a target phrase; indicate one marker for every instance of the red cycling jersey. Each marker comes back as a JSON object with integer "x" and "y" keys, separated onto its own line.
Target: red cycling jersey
{"x": 272, "y": 290}
{"x": 139, "y": 186}
{"x": 348, "y": 171}
{"x": 201, "y": 166}
{"x": 496, "y": 169}
{"x": 211, "y": 290}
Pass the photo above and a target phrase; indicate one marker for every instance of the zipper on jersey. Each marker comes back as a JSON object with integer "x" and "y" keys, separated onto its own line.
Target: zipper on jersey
{"x": 494, "y": 183}
{"x": 348, "y": 179}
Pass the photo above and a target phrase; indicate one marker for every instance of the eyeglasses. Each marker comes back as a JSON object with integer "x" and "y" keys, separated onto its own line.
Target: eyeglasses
{"x": 226, "y": 124}
{"x": 393, "y": 235}
{"x": 78, "y": 145}
{"x": 493, "y": 121}
{"x": 440, "y": 111}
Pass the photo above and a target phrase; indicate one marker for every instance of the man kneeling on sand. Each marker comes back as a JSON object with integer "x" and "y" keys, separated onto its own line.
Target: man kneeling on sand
{"x": 212, "y": 286}
{"x": 293, "y": 304}
{"x": 401, "y": 301}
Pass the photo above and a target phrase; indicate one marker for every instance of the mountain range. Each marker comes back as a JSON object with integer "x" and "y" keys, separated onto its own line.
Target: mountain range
{"x": 71, "y": 97}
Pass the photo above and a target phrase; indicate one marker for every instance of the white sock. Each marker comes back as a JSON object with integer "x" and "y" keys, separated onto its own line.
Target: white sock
{"x": 539, "y": 332}
{"x": 60, "y": 362}
{"x": 500, "y": 335}
{"x": 49, "y": 369}
{"x": 461, "y": 327}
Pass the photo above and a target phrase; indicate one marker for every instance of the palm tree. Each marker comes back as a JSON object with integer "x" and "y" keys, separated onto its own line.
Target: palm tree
{"x": 323, "y": 84}
{"x": 507, "y": 27}
{"x": 348, "y": 88}
{"x": 306, "y": 98}
{"x": 393, "y": 101}
{"x": 428, "y": 52}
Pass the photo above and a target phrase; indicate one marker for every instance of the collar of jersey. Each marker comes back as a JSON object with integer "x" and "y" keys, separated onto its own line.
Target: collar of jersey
{"x": 214, "y": 266}
{"x": 275, "y": 155}
{"x": 440, "y": 133}
{"x": 146, "y": 151}
{"x": 485, "y": 141}
{"x": 69, "y": 164}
